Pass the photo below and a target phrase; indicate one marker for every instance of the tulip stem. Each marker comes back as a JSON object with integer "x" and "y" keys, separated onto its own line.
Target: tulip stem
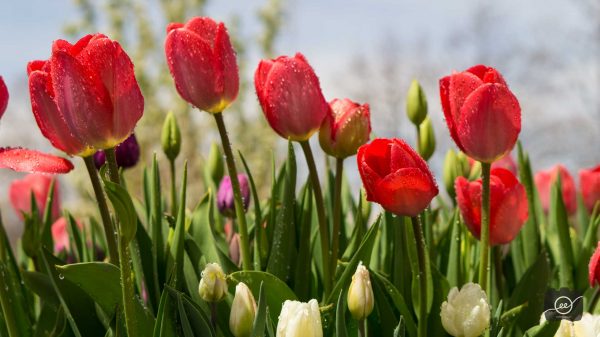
{"x": 128, "y": 290}
{"x": 237, "y": 194}
{"x": 337, "y": 213}
{"x": 484, "y": 269}
{"x": 113, "y": 168}
{"x": 361, "y": 328}
{"x": 421, "y": 254}
{"x": 213, "y": 315}
{"x": 323, "y": 226}
{"x": 173, "y": 188}
{"x": 109, "y": 230}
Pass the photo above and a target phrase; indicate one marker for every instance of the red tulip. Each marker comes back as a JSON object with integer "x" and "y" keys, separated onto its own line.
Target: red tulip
{"x": 3, "y": 97}
{"x": 395, "y": 176}
{"x": 508, "y": 205}
{"x": 31, "y": 161}
{"x": 506, "y": 162}
{"x": 290, "y": 96}
{"x": 60, "y": 234}
{"x": 20, "y": 194}
{"x": 85, "y": 97}
{"x": 346, "y": 127}
{"x": 544, "y": 181}
{"x": 203, "y": 64}
{"x": 594, "y": 268}
{"x": 589, "y": 182}
{"x": 483, "y": 115}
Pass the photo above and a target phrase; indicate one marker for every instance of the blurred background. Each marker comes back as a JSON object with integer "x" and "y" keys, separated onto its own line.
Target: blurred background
{"x": 366, "y": 50}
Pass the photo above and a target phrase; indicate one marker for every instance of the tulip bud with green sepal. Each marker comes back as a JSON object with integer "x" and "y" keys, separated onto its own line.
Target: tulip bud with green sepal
{"x": 416, "y": 103}
{"x": 456, "y": 164}
{"x": 213, "y": 285}
{"x": 243, "y": 312}
{"x": 360, "y": 294}
{"x": 214, "y": 168}
{"x": 426, "y": 139}
{"x": 171, "y": 137}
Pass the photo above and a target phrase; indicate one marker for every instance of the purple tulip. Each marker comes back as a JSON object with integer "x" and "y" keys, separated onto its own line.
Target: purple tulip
{"x": 225, "y": 201}
{"x": 127, "y": 153}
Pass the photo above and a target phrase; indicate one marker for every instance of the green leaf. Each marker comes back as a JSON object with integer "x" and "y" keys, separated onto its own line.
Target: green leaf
{"x": 165, "y": 322}
{"x": 123, "y": 205}
{"x": 529, "y": 236}
{"x": 547, "y": 329}
{"x": 283, "y": 251}
{"x": 40, "y": 284}
{"x": 454, "y": 272}
{"x": 201, "y": 229}
{"x": 340, "y": 317}
{"x": 303, "y": 261}
{"x": 258, "y": 228}
{"x": 175, "y": 260}
{"x": 156, "y": 224}
{"x": 362, "y": 254}
{"x": 258, "y": 329}
{"x": 398, "y": 301}
{"x": 559, "y": 221}
{"x": 194, "y": 321}
{"x": 278, "y": 292}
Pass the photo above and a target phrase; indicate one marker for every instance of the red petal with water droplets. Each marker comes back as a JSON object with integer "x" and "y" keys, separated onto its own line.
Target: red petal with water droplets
{"x": 589, "y": 182}
{"x": 594, "y": 268}
{"x": 407, "y": 191}
{"x": 32, "y": 161}
{"x": 3, "y": 97}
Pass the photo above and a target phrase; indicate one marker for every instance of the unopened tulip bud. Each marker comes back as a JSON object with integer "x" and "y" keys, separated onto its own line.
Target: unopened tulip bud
{"x": 360, "y": 294}
{"x": 416, "y": 103}
{"x": 214, "y": 168}
{"x": 243, "y": 312}
{"x": 426, "y": 139}
{"x": 213, "y": 285}
{"x": 127, "y": 154}
{"x": 225, "y": 198}
{"x": 171, "y": 137}
{"x": 467, "y": 312}
{"x": 300, "y": 319}
{"x": 234, "y": 249}
{"x": 345, "y": 128}
{"x": 456, "y": 165}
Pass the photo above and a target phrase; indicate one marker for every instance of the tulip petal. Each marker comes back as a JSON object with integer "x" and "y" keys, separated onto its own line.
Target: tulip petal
{"x": 227, "y": 81}
{"x": 509, "y": 215}
{"x": 468, "y": 197}
{"x": 81, "y": 99}
{"x": 50, "y": 121}
{"x": 594, "y": 267}
{"x": 107, "y": 59}
{"x": 38, "y": 185}
{"x": 3, "y": 97}
{"x": 487, "y": 74}
{"x": 31, "y": 161}
{"x": 490, "y": 122}
{"x": 205, "y": 28}
{"x": 407, "y": 191}
{"x": 191, "y": 63}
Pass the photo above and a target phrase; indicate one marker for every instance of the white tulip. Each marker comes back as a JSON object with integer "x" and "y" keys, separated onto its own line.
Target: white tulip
{"x": 467, "y": 312}
{"x": 298, "y": 319}
{"x": 213, "y": 285}
{"x": 243, "y": 311}
{"x": 360, "y": 294}
{"x": 587, "y": 326}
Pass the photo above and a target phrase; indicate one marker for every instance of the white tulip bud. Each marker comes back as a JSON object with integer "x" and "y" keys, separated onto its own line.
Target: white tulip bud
{"x": 298, "y": 319}
{"x": 243, "y": 311}
{"x": 360, "y": 294}
{"x": 213, "y": 285}
{"x": 467, "y": 312}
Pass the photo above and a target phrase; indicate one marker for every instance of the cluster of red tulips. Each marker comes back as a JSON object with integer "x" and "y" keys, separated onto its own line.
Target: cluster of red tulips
{"x": 87, "y": 102}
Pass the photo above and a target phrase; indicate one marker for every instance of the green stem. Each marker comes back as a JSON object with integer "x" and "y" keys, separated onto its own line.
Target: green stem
{"x": 484, "y": 269}
{"x": 421, "y": 254}
{"x": 109, "y": 230}
{"x": 499, "y": 271}
{"x": 173, "y": 188}
{"x": 213, "y": 315}
{"x": 113, "y": 168}
{"x": 361, "y": 328}
{"x": 418, "y": 139}
{"x": 594, "y": 300}
{"x": 337, "y": 213}
{"x": 237, "y": 194}
{"x": 323, "y": 226}
{"x": 128, "y": 290}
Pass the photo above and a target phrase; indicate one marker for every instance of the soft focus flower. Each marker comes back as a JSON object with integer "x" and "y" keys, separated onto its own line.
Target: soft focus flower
{"x": 234, "y": 249}
{"x": 483, "y": 115}
{"x": 203, "y": 64}
{"x": 345, "y": 128}
{"x": 508, "y": 205}
{"x": 544, "y": 180}
{"x": 395, "y": 176}
{"x": 299, "y": 319}
{"x": 213, "y": 285}
{"x": 85, "y": 97}
{"x": 594, "y": 267}
{"x": 20, "y": 192}
{"x": 31, "y": 161}
{"x": 3, "y": 97}
{"x": 587, "y": 326}
{"x": 290, "y": 96}
{"x": 467, "y": 312}
{"x": 506, "y": 162}
{"x": 225, "y": 199}
{"x": 589, "y": 182}
{"x": 243, "y": 311}
{"x": 127, "y": 154}
{"x": 360, "y": 294}
{"x": 60, "y": 234}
